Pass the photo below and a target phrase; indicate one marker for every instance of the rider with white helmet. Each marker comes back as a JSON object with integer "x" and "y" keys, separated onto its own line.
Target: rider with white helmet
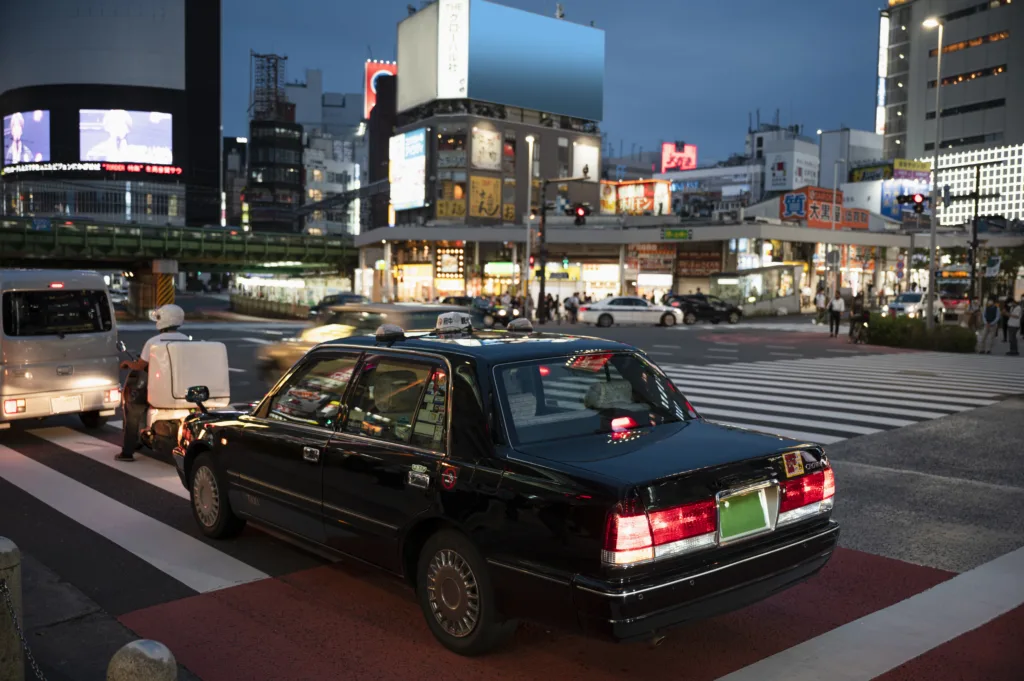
{"x": 168, "y": 319}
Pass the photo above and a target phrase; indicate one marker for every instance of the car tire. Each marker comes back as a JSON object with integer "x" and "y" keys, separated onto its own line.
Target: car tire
{"x": 489, "y": 321}
{"x": 734, "y": 317}
{"x": 668, "y": 319}
{"x": 92, "y": 419}
{"x": 451, "y": 581}
{"x": 208, "y": 497}
{"x": 605, "y": 320}
{"x": 689, "y": 318}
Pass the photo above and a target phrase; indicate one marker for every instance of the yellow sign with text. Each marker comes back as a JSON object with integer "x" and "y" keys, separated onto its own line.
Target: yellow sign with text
{"x": 484, "y": 197}
{"x": 912, "y": 166}
{"x": 508, "y": 212}
{"x": 448, "y": 209}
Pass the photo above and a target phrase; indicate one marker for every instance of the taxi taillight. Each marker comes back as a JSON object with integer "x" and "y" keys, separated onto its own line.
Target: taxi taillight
{"x": 634, "y": 536}
{"x": 807, "y": 495}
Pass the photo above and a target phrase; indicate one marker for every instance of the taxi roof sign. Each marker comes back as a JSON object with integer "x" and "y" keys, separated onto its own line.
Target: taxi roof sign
{"x": 453, "y": 322}
{"x": 522, "y": 325}
{"x": 389, "y": 333}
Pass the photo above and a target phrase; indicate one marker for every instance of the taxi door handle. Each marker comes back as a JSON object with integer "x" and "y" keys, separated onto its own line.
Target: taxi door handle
{"x": 311, "y": 454}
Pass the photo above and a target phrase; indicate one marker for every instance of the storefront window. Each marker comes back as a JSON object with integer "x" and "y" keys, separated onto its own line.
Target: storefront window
{"x": 508, "y": 153}
{"x": 451, "y": 149}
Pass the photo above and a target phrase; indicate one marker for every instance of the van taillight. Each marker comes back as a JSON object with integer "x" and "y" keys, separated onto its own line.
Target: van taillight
{"x": 806, "y": 496}
{"x": 56, "y": 284}
{"x": 634, "y": 536}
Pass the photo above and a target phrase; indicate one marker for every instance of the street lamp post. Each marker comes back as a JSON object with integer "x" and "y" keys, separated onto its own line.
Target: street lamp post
{"x": 835, "y": 194}
{"x": 529, "y": 219}
{"x": 935, "y": 23}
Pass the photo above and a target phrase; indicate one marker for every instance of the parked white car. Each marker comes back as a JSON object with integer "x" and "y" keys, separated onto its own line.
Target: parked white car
{"x": 629, "y": 310}
{"x": 915, "y": 306}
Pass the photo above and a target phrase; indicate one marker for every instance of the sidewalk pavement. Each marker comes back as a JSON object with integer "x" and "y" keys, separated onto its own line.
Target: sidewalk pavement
{"x": 70, "y": 636}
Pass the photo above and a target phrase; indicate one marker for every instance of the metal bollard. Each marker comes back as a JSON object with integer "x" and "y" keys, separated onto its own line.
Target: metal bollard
{"x": 12, "y": 661}
{"x": 143, "y": 660}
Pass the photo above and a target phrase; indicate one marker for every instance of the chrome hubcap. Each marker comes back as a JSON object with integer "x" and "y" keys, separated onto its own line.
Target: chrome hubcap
{"x": 453, "y": 593}
{"x": 205, "y": 496}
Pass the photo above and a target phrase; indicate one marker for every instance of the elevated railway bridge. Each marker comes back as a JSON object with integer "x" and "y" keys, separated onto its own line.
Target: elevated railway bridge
{"x": 156, "y": 254}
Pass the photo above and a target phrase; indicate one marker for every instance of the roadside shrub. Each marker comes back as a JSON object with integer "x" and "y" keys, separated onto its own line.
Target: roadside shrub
{"x": 903, "y": 332}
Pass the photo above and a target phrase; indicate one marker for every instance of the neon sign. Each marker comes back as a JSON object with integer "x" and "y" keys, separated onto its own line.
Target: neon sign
{"x": 141, "y": 168}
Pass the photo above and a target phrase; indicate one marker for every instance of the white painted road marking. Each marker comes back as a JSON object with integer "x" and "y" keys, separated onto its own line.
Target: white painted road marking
{"x": 871, "y": 646}
{"x": 144, "y": 468}
{"x": 236, "y": 371}
{"x": 188, "y": 560}
{"x": 257, "y": 341}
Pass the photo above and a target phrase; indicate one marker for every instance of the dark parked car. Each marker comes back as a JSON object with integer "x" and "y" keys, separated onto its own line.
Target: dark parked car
{"x": 337, "y": 299}
{"x": 493, "y": 315}
{"x": 512, "y": 475}
{"x": 703, "y": 308}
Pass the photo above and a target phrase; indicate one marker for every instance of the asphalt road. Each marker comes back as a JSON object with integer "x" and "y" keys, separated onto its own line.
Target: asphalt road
{"x": 930, "y": 495}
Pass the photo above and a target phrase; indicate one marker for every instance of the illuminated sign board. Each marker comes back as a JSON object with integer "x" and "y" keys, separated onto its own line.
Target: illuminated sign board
{"x": 26, "y": 137}
{"x": 375, "y": 70}
{"x": 883, "y": 71}
{"x": 407, "y": 171}
{"x": 138, "y": 168}
{"x": 678, "y": 156}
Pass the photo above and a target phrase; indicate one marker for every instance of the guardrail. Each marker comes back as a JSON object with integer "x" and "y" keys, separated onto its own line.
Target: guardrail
{"x": 141, "y": 660}
{"x": 272, "y": 309}
{"x": 89, "y": 241}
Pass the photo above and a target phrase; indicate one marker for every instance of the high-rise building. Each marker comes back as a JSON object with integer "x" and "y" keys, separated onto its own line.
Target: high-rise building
{"x": 982, "y": 79}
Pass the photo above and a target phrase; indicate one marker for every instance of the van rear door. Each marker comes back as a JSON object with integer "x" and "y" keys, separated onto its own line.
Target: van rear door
{"x": 56, "y": 339}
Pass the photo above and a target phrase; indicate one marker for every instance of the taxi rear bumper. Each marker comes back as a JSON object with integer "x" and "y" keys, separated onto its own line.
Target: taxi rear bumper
{"x": 642, "y": 611}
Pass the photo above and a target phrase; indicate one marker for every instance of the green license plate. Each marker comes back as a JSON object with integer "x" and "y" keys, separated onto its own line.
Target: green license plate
{"x": 743, "y": 514}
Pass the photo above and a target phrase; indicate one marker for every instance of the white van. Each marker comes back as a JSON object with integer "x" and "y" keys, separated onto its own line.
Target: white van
{"x": 58, "y": 346}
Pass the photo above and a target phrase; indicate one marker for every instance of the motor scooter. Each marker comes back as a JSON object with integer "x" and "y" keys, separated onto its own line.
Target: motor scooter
{"x": 154, "y": 402}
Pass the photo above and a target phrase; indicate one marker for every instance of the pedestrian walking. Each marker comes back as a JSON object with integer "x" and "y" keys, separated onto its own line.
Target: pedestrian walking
{"x": 856, "y": 312}
{"x": 819, "y": 304}
{"x": 836, "y": 307}
{"x": 1013, "y": 324}
{"x": 990, "y": 317}
{"x": 1005, "y": 321}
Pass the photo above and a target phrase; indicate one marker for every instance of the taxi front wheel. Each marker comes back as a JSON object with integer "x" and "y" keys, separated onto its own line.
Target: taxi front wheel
{"x": 210, "y": 505}
{"x": 457, "y": 596}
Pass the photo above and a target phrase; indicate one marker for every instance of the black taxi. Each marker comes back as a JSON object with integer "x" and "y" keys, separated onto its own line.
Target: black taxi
{"x": 514, "y": 475}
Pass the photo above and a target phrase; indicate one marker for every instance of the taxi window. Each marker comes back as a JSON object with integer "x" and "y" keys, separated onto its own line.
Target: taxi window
{"x": 313, "y": 395}
{"x": 400, "y": 400}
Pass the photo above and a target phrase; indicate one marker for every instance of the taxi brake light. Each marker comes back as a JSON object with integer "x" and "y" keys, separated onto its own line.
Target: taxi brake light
{"x": 634, "y": 537}
{"x": 684, "y": 522}
{"x": 112, "y": 395}
{"x": 14, "y": 406}
{"x": 627, "y": 537}
{"x": 807, "y": 496}
{"x": 544, "y": 371}
{"x": 56, "y": 284}
{"x": 584, "y": 308}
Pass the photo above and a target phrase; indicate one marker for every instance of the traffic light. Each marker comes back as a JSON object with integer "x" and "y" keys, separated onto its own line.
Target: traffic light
{"x": 918, "y": 203}
{"x": 531, "y": 261}
{"x": 581, "y": 214}
{"x": 902, "y": 198}
{"x": 565, "y": 263}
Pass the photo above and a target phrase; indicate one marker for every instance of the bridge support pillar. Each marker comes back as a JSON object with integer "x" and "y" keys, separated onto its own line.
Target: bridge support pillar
{"x": 152, "y": 287}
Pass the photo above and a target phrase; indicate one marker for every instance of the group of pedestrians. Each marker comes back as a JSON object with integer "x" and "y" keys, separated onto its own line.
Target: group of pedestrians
{"x": 834, "y": 308}
{"x": 1005, "y": 318}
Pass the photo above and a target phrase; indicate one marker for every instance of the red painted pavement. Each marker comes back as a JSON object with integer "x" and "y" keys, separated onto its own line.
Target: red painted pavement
{"x": 345, "y": 622}
{"x": 992, "y": 652}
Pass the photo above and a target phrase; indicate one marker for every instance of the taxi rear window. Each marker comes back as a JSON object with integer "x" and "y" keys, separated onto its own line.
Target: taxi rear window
{"x": 587, "y": 394}
{"x": 55, "y": 313}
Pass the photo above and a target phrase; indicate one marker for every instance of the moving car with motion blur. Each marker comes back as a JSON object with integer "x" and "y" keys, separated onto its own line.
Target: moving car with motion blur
{"x": 337, "y": 299}
{"x": 701, "y": 308}
{"x": 58, "y": 346}
{"x": 342, "y": 321}
{"x": 513, "y": 475}
{"x": 628, "y": 310}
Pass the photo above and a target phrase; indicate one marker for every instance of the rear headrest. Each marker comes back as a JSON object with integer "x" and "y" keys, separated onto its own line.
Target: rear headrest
{"x": 607, "y": 395}
{"x": 395, "y": 390}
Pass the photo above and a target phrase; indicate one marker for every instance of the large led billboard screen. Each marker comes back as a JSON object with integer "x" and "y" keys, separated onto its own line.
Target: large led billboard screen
{"x": 407, "y": 169}
{"x": 125, "y": 136}
{"x": 534, "y": 62}
{"x": 26, "y": 137}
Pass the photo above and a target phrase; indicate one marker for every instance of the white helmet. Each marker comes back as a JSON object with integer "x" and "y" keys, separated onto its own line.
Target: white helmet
{"x": 167, "y": 317}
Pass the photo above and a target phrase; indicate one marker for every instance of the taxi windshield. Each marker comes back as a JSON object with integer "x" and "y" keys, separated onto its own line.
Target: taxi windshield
{"x": 586, "y": 394}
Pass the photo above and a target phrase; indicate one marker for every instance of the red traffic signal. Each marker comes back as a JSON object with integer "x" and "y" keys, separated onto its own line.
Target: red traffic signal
{"x": 580, "y": 211}
{"x": 918, "y": 198}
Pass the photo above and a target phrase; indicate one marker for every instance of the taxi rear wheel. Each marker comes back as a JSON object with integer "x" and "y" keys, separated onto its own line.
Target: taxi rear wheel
{"x": 689, "y": 318}
{"x": 668, "y": 319}
{"x": 209, "y": 500}
{"x": 604, "y": 320}
{"x": 457, "y": 596}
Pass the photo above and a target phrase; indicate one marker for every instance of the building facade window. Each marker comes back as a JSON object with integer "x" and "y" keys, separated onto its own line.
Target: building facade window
{"x": 968, "y": 108}
{"x": 973, "y": 42}
{"x": 994, "y": 137}
{"x": 970, "y": 75}
{"x": 563, "y": 157}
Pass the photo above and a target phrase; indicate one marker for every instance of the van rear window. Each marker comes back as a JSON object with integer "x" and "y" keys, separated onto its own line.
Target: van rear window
{"x": 55, "y": 313}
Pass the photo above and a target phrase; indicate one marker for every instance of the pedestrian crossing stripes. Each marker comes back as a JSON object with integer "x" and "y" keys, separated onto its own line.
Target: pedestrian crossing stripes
{"x": 142, "y": 508}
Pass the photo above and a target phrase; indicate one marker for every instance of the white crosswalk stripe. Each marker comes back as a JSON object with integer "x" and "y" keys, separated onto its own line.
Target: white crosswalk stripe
{"x": 830, "y": 399}
{"x": 805, "y": 326}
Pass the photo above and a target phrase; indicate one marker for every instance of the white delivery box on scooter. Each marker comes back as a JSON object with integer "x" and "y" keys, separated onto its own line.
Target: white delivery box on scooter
{"x": 176, "y": 366}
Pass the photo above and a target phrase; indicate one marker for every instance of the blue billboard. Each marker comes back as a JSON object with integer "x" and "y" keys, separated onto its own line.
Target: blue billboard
{"x": 893, "y": 209}
{"x": 535, "y": 62}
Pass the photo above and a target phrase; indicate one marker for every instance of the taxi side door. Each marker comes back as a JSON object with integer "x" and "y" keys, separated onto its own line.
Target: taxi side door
{"x": 275, "y": 455}
{"x": 384, "y": 465}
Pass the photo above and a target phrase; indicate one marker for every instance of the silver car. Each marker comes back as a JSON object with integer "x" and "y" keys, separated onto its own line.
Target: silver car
{"x": 58, "y": 346}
